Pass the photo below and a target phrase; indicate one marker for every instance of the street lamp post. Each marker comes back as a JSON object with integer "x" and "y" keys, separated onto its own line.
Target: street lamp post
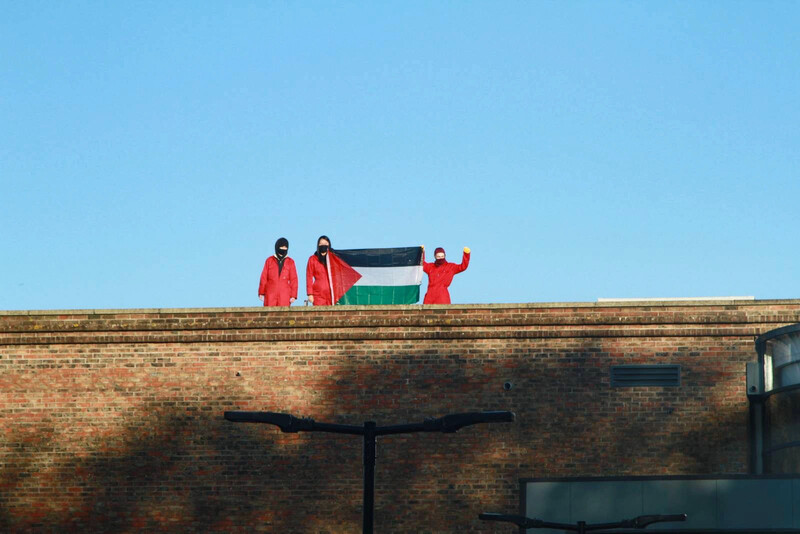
{"x": 581, "y": 527}
{"x": 370, "y": 431}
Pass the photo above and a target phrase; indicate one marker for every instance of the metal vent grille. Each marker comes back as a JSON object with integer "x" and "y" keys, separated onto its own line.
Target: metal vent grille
{"x": 645, "y": 375}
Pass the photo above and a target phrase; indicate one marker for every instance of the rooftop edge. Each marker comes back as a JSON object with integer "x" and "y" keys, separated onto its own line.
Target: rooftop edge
{"x": 602, "y": 303}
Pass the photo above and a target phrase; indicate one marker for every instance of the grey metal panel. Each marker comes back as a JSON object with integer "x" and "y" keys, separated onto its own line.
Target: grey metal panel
{"x": 598, "y": 502}
{"x": 754, "y": 503}
{"x": 796, "y": 502}
{"x": 695, "y": 498}
{"x": 788, "y": 375}
{"x": 549, "y": 501}
{"x": 755, "y": 382}
{"x": 711, "y": 503}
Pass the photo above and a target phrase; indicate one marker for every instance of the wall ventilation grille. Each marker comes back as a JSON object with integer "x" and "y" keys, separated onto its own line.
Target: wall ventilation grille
{"x": 645, "y": 375}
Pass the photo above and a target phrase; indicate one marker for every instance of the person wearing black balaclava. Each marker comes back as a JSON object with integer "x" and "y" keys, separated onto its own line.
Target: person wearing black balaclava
{"x": 317, "y": 286}
{"x": 278, "y": 285}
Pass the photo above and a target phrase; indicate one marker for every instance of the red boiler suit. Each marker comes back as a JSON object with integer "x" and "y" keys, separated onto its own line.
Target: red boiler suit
{"x": 317, "y": 282}
{"x": 278, "y": 288}
{"x": 439, "y": 278}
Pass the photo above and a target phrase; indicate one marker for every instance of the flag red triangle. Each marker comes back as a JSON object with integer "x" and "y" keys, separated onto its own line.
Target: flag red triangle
{"x": 343, "y": 277}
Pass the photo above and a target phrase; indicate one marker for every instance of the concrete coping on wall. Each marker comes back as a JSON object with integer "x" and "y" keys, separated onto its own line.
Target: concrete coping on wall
{"x": 605, "y": 303}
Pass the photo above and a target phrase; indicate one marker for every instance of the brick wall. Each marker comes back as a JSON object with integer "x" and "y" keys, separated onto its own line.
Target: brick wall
{"x": 112, "y": 420}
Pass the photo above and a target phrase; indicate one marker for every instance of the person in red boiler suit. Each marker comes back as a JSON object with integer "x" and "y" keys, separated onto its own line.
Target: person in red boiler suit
{"x": 278, "y": 285}
{"x": 317, "y": 286}
{"x": 440, "y": 275}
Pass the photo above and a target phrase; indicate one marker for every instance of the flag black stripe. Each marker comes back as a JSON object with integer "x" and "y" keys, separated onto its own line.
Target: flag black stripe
{"x": 381, "y": 257}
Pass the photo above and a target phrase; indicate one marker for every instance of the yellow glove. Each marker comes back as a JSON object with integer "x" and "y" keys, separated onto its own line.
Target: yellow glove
{"x": 466, "y": 250}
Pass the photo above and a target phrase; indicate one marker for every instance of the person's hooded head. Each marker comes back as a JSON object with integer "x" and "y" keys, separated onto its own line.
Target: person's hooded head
{"x": 281, "y": 248}
{"x": 323, "y": 246}
{"x": 440, "y": 256}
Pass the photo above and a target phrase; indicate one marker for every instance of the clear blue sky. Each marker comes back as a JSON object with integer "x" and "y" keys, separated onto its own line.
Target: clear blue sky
{"x": 152, "y": 152}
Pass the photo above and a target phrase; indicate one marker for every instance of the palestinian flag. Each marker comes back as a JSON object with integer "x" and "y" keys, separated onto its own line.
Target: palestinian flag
{"x": 375, "y": 275}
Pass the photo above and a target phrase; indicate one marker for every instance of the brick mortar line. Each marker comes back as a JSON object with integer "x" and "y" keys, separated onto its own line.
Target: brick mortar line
{"x": 242, "y": 310}
{"x": 783, "y": 320}
{"x": 132, "y": 338}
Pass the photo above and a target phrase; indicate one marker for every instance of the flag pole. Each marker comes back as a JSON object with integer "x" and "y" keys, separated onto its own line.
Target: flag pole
{"x": 330, "y": 277}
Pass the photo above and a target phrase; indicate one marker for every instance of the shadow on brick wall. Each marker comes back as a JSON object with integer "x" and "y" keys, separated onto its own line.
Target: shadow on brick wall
{"x": 180, "y": 472}
{"x": 176, "y": 465}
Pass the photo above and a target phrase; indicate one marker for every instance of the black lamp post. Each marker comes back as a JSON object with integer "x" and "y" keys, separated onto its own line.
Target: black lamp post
{"x": 370, "y": 431}
{"x": 581, "y": 527}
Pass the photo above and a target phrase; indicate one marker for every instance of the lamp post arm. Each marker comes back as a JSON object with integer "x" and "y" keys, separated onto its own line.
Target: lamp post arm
{"x": 284, "y": 421}
{"x": 290, "y": 423}
{"x": 519, "y": 520}
{"x": 641, "y": 521}
{"x": 448, "y": 423}
{"x": 526, "y": 522}
{"x": 644, "y": 520}
{"x": 455, "y": 422}
{"x": 335, "y": 428}
{"x": 401, "y": 429}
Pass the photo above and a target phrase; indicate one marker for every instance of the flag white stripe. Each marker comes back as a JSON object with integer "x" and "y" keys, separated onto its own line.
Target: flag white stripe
{"x": 390, "y": 276}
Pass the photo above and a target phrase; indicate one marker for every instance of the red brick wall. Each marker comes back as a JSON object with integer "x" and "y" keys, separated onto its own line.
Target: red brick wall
{"x": 112, "y": 420}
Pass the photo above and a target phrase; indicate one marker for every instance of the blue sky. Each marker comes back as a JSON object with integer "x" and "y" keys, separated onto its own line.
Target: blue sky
{"x": 152, "y": 152}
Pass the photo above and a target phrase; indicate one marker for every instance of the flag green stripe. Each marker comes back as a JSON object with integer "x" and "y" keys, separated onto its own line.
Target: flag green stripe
{"x": 359, "y": 295}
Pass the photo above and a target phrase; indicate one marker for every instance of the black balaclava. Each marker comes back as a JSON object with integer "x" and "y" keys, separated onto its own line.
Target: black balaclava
{"x": 439, "y": 261}
{"x": 323, "y": 259}
{"x": 280, "y": 254}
